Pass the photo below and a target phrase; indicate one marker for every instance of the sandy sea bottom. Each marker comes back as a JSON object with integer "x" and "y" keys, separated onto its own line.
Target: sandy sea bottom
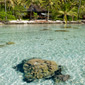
{"x": 66, "y": 48}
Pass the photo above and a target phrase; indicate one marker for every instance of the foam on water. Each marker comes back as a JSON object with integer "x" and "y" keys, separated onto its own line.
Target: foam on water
{"x": 65, "y": 48}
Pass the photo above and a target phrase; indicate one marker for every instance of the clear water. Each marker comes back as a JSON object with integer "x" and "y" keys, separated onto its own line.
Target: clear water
{"x": 65, "y": 48}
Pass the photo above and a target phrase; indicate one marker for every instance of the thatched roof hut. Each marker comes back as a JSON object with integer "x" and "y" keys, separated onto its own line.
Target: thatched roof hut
{"x": 36, "y": 8}
{"x": 1, "y": 2}
{"x": 41, "y": 12}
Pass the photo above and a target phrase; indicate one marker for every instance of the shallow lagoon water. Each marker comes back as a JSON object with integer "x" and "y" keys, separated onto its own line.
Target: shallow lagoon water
{"x": 42, "y": 41}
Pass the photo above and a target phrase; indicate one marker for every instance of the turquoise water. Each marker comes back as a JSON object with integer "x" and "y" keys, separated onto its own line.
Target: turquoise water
{"x": 65, "y": 48}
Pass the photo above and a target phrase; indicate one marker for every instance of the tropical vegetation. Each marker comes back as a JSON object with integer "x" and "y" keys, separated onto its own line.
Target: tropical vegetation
{"x": 57, "y": 9}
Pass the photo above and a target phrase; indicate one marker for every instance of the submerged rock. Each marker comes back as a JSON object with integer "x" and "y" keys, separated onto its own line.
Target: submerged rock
{"x": 19, "y": 67}
{"x": 45, "y": 29}
{"x": 61, "y": 77}
{"x": 38, "y": 68}
{"x": 9, "y": 43}
{"x": 61, "y": 31}
{"x": 2, "y": 46}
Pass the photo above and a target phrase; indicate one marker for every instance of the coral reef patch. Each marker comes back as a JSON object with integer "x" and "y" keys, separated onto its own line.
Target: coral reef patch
{"x": 33, "y": 69}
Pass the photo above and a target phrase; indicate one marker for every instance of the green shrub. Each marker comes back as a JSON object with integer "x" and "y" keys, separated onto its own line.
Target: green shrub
{"x": 2, "y": 15}
{"x": 35, "y": 15}
{"x": 10, "y": 17}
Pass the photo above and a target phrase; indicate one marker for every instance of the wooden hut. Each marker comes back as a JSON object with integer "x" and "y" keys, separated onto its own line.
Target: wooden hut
{"x": 41, "y": 12}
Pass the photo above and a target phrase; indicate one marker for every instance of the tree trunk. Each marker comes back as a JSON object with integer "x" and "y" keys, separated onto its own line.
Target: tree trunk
{"x": 9, "y": 8}
{"x": 5, "y": 10}
{"x": 65, "y": 18}
{"x": 79, "y": 8}
{"x": 48, "y": 15}
{"x": 72, "y": 18}
{"x": 30, "y": 15}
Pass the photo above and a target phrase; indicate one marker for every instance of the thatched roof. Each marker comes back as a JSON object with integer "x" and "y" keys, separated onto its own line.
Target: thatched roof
{"x": 36, "y": 8}
{"x": 1, "y": 2}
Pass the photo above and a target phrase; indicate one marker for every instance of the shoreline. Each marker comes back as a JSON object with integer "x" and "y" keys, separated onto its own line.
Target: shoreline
{"x": 41, "y": 22}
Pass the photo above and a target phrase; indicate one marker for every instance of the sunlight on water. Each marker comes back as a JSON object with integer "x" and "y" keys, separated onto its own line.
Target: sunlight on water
{"x": 66, "y": 48}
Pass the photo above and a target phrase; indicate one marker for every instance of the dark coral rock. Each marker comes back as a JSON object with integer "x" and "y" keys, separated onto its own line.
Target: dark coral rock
{"x": 61, "y": 30}
{"x": 34, "y": 69}
{"x": 62, "y": 77}
{"x": 59, "y": 76}
{"x": 9, "y": 43}
{"x": 2, "y": 46}
{"x": 19, "y": 67}
{"x": 38, "y": 68}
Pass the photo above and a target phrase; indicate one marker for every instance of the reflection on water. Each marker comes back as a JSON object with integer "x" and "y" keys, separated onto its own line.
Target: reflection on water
{"x": 65, "y": 48}
{"x": 66, "y": 26}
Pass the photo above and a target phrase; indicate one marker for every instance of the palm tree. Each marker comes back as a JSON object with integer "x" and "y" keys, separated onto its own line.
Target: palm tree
{"x": 6, "y": 2}
{"x": 67, "y": 9}
{"x": 48, "y": 4}
{"x": 27, "y": 3}
{"x": 18, "y": 8}
{"x": 10, "y": 4}
{"x": 82, "y": 9}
